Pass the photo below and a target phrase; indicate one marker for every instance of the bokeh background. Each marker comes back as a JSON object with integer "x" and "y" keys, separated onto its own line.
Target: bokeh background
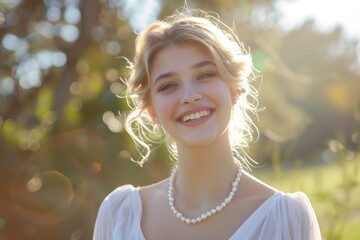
{"x": 62, "y": 143}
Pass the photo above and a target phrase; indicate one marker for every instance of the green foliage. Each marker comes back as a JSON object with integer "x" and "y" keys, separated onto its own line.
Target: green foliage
{"x": 333, "y": 188}
{"x": 60, "y": 129}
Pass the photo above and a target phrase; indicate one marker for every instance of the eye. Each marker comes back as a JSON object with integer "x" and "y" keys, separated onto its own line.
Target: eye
{"x": 206, "y": 75}
{"x": 167, "y": 86}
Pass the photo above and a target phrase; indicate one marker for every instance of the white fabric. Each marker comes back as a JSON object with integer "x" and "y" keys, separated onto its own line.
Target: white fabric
{"x": 287, "y": 216}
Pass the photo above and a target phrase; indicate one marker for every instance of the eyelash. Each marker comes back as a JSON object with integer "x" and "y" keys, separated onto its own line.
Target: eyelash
{"x": 204, "y": 75}
{"x": 166, "y": 86}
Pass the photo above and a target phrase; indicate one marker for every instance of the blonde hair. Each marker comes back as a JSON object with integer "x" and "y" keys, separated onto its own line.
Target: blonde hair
{"x": 234, "y": 64}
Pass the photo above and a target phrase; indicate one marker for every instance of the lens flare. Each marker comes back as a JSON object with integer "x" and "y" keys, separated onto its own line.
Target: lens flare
{"x": 44, "y": 198}
{"x": 51, "y": 185}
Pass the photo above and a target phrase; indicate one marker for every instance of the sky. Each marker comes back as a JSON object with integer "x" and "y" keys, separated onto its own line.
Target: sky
{"x": 326, "y": 13}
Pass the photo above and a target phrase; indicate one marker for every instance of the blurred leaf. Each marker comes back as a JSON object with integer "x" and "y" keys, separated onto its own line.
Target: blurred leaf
{"x": 72, "y": 112}
{"x": 44, "y": 102}
{"x": 339, "y": 96}
{"x": 259, "y": 59}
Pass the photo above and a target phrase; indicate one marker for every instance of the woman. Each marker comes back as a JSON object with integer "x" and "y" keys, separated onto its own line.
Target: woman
{"x": 190, "y": 80}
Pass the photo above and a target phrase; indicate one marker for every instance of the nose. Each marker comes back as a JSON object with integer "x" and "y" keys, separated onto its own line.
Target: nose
{"x": 190, "y": 96}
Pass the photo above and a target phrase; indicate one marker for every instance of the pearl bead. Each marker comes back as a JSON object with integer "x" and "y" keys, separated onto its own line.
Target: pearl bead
{"x": 204, "y": 216}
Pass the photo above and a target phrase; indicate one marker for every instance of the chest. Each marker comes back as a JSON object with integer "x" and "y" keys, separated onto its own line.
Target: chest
{"x": 162, "y": 224}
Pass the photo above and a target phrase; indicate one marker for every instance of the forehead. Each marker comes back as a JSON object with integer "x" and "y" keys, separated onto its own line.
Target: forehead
{"x": 175, "y": 58}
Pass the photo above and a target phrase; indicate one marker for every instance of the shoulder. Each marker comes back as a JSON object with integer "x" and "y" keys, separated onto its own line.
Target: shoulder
{"x": 296, "y": 211}
{"x": 296, "y": 203}
{"x": 289, "y": 215}
{"x": 254, "y": 190}
{"x": 292, "y": 203}
{"x": 117, "y": 211}
{"x": 120, "y": 201}
{"x": 119, "y": 195}
{"x": 152, "y": 195}
{"x": 154, "y": 188}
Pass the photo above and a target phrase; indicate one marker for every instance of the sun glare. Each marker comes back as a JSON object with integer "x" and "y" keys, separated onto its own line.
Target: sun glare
{"x": 326, "y": 14}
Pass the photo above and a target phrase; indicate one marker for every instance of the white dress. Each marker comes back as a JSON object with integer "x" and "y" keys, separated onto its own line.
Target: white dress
{"x": 287, "y": 216}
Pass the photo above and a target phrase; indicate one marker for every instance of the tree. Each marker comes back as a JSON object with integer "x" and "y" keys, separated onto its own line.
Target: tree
{"x": 62, "y": 144}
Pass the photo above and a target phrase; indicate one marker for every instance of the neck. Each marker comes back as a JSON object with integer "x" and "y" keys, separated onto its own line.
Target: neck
{"x": 205, "y": 173}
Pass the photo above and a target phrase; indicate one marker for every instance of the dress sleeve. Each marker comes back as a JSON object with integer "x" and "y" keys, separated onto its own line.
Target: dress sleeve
{"x": 301, "y": 219}
{"x": 114, "y": 214}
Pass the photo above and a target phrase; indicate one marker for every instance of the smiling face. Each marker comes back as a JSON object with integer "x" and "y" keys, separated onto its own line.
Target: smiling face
{"x": 188, "y": 97}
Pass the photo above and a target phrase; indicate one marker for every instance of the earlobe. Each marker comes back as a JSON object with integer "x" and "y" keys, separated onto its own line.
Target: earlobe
{"x": 152, "y": 114}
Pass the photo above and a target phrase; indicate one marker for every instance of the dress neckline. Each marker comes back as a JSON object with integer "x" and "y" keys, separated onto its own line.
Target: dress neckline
{"x": 138, "y": 202}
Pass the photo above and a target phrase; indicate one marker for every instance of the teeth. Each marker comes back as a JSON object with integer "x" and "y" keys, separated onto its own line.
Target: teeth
{"x": 195, "y": 116}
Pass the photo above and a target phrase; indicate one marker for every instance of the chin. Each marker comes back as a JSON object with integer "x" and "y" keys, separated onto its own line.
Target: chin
{"x": 198, "y": 142}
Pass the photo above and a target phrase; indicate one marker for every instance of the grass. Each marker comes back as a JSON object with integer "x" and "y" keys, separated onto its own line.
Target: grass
{"x": 334, "y": 191}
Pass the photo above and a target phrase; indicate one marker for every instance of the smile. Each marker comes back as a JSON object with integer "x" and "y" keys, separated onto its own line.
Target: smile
{"x": 195, "y": 116}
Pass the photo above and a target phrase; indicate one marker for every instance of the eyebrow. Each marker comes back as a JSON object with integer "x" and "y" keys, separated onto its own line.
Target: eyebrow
{"x": 170, "y": 74}
{"x": 204, "y": 63}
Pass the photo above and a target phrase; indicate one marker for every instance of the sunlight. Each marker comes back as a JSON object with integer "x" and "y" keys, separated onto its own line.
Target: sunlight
{"x": 327, "y": 14}
{"x": 141, "y": 14}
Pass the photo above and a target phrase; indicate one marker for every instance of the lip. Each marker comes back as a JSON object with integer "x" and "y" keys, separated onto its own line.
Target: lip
{"x": 195, "y": 110}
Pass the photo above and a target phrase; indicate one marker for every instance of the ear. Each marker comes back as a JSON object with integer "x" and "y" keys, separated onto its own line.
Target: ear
{"x": 152, "y": 114}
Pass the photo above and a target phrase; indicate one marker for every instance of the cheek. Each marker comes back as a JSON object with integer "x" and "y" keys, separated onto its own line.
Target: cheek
{"x": 221, "y": 91}
{"x": 164, "y": 105}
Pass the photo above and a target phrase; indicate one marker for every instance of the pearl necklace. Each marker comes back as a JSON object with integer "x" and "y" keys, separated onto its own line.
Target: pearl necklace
{"x": 209, "y": 213}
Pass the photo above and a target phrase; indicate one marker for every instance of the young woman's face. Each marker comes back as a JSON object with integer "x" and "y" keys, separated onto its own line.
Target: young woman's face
{"x": 188, "y": 97}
